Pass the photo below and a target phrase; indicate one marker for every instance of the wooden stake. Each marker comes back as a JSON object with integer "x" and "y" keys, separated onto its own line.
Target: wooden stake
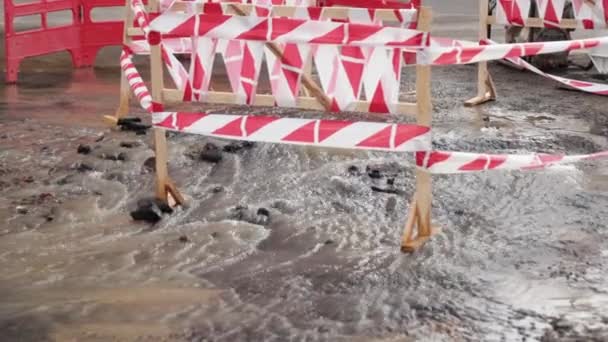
{"x": 420, "y": 208}
{"x": 164, "y": 184}
{"x": 485, "y": 86}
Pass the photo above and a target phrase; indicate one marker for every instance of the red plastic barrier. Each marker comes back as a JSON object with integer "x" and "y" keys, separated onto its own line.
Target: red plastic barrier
{"x": 82, "y": 38}
{"x": 96, "y": 35}
{"x": 43, "y": 40}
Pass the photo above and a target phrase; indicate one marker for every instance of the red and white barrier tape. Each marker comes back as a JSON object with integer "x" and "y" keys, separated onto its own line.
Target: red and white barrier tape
{"x": 437, "y": 55}
{"x": 588, "y": 14}
{"x": 283, "y": 30}
{"x": 440, "y": 162}
{"x": 584, "y": 86}
{"x": 312, "y": 132}
{"x": 135, "y": 81}
{"x": 341, "y": 134}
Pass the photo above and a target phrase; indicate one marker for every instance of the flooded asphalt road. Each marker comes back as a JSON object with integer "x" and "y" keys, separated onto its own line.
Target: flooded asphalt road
{"x": 522, "y": 256}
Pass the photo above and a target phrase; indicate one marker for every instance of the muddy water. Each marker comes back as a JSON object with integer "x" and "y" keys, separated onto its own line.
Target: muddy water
{"x": 520, "y": 255}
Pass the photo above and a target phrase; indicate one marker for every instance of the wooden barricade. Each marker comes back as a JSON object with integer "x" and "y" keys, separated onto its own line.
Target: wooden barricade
{"x": 311, "y": 97}
{"x": 516, "y": 13}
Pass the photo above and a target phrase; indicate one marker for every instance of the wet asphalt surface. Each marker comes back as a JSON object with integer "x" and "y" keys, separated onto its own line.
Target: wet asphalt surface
{"x": 286, "y": 243}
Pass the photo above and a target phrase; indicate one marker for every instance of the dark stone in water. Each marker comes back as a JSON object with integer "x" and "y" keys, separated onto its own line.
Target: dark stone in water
{"x": 151, "y": 213}
{"x": 184, "y": 239}
{"x": 375, "y": 174}
{"x": 329, "y": 242}
{"x": 129, "y": 144}
{"x": 211, "y": 153}
{"x": 132, "y": 124}
{"x": 123, "y": 121}
{"x": 387, "y": 191}
{"x": 84, "y": 167}
{"x": 112, "y": 155}
{"x": 150, "y": 201}
{"x": 217, "y": 189}
{"x": 150, "y": 209}
{"x": 459, "y": 212}
{"x": 353, "y": 170}
{"x": 243, "y": 213}
{"x": 215, "y": 235}
{"x": 21, "y": 210}
{"x": 149, "y": 165}
{"x": 84, "y": 149}
{"x": 390, "y": 181}
{"x": 237, "y": 146}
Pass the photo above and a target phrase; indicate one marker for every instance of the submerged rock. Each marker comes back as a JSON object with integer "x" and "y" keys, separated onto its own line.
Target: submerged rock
{"x": 390, "y": 190}
{"x": 373, "y": 173}
{"x": 237, "y": 146}
{"x": 149, "y": 165}
{"x": 245, "y": 214}
{"x": 211, "y": 153}
{"x": 129, "y": 144}
{"x": 83, "y": 167}
{"x": 83, "y": 149}
{"x": 150, "y": 209}
{"x": 353, "y": 170}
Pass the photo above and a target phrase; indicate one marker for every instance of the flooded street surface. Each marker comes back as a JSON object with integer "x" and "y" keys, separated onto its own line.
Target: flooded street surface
{"x": 287, "y": 243}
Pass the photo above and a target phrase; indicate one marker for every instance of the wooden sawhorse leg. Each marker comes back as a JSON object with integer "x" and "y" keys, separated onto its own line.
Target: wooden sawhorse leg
{"x": 419, "y": 215}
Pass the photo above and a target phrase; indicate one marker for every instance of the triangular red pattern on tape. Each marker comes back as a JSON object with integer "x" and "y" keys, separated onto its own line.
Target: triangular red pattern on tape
{"x": 291, "y": 56}
{"x": 406, "y": 133}
{"x": 434, "y": 158}
{"x": 476, "y": 165}
{"x": 416, "y": 40}
{"x": 292, "y": 78}
{"x": 468, "y": 54}
{"x": 496, "y": 161}
{"x": 533, "y": 48}
{"x": 515, "y": 15}
{"x": 358, "y": 32}
{"x": 233, "y": 128}
{"x": 207, "y": 23}
{"x": 550, "y": 18}
{"x": 315, "y": 12}
{"x": 378, "y": 103}
{"x": 354, "y": 70}
{"x": 515, "y": 52}
{"x": 255, "y": 32}
{"x": 335, "y": 36}
{"x": 335, "y": 106}
{"x": 328, "y": 127}
{"x": 187, "y": 92}
{"x": 282, "y": 26}
{"x": 255, "y": 123}
{"x": 447, "y": 58}
{"x": 166, "y": 123}
{"x": 184, "y": 119}
{"x": 199, "y": 73}
{"x": 305, "y": 134}
{"x": 381, "y": 139}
